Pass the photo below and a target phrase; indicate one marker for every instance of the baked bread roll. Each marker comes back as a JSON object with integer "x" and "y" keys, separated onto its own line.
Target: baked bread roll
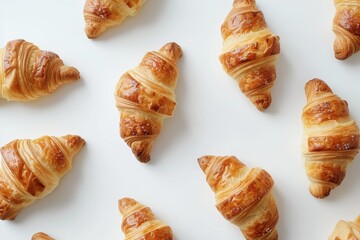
{"x": 243, "y": 196}
{"x": 31, "y": 169}
{"x": 346, "y": 230}
{"x": 250, "y": 51}
{"x": 330, "y": 138}
{"x": 139, "y": 222}
{"x": 145, "y": 96}
{"x": 346, "y": 26}
{"x": 26, "y": 72}
{"x": 99, "y": 15}
{"x": 41, "y": 236}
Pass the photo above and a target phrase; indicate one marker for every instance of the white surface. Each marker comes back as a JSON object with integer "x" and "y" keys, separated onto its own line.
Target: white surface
{"x": 211, "y": 117}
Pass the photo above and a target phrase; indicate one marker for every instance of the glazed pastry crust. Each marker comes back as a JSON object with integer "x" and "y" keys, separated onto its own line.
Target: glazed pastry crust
{"x": 250, "y": 51}
{"x": 346, "y": 26}
{"x": 99, "y": 15}
{"x": 26, "y": 72}
{"x": 140, "y": 223}
{"x": 346, "y": 230}
{"x": 31, "y": 169}
{"x": 243, "y": 196}
{"x": 331, "y": 138}
{"x": 41, "y": 236}
{"x": 145, "y": 96}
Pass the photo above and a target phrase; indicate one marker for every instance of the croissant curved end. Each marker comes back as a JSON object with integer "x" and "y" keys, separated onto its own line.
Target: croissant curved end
{"x": 205, "y": 162}
{"x": 315, "y": 88}
{"x": 244, "y": 2}
{"x": 319, "y": 190}
{"x": 93, "y": 30}
{"x": 340, "y": 53}
{"x": 262, "y": 101}
{"x": 172, "y": 50}
{"x": 125, "y": 203}
{"x": 141, "y": 150}
{"x": 69, "y": 74}
{"x": 74, "y": 142}
{"x": 41, "y": 236}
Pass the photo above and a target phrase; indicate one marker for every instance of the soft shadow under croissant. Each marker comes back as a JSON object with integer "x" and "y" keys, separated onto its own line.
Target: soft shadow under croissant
{"x": 145, "y": 96}
{"x": 346, "y": 26}
{"x": 243, "y": 196}
{"x": 32, "y": 169}
{"x": 250, "y": 51}
{"x": 139, "y": 222}
{"x": 27, "y": 73}
{"x": 331, "y": 138}
{"x": 99, "y": 15}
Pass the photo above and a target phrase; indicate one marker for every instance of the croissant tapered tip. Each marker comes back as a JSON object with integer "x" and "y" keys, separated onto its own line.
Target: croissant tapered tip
{"x": 126, "y": 203}
{"x": 41, "y": 236}
{"x": 74, "y": 142}
{"x": 69, "y": 74}
{"x": 261, "y": 101}
{"x": 315, "y": 88}
{"x": 141, "y": 150}
{"x": 93, "y": 30}
{"x": 172, "y": 50}
{"x": 319, "y": 190}
{"x": 244, "y": 2}
{"x": 340, "y": 53}
{"x": 205, "y": 161}
{"x": 341, "y": 48}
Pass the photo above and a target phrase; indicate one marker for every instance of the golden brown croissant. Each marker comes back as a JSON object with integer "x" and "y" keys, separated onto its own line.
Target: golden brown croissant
{"x": 99, "y": 15}
{"x": 31, "y": 169}
{"x": 346, "y": 230}
{"x": 26, "y": 72}
{"x": 346, "y": 26}
{"x": 250, "y": 51}
{"x": 243, "y": 196}
{"x": 330, "y": 139}
{"x": 139, "y": 222}
{"x": 145, "y": 97}
{"x": 41, "y": 236}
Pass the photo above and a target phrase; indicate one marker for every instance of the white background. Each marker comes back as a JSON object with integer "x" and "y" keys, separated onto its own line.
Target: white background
{"x": 212, "y": 117}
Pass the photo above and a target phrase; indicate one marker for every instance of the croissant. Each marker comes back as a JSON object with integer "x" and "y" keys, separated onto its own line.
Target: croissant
{"x": 139, "y": 222}
{"x": 31, "y": 169}
{"x": 250, "y": 51}
{"x": 346, "y": 230}
{"x": 346, "y": 26}
{"x": 145, "y": 97}
{"x": 243, "y": 196}
{"x": 330, "y": 138}
{"x": 26, "y": 72}
{"x": 41, "y": 236}
{"x": 99, "y": 15}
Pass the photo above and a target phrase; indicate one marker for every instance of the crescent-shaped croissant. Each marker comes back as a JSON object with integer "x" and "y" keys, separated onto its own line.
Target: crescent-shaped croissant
{"x": 26, "y": 72}
{"x": 31, "y": 169}
{"x": 243, "y": 196}
{"x": 99, "y": 15}
{"x": 346, "y": 26}
{"x": 346, "y": 230}
{"x": 250, "y": 51}
{"x": 330, "y": 139}
{"x": 41, "y": 236}
{"x": 139, "y": 222}
{"x": 145, "y": 97}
